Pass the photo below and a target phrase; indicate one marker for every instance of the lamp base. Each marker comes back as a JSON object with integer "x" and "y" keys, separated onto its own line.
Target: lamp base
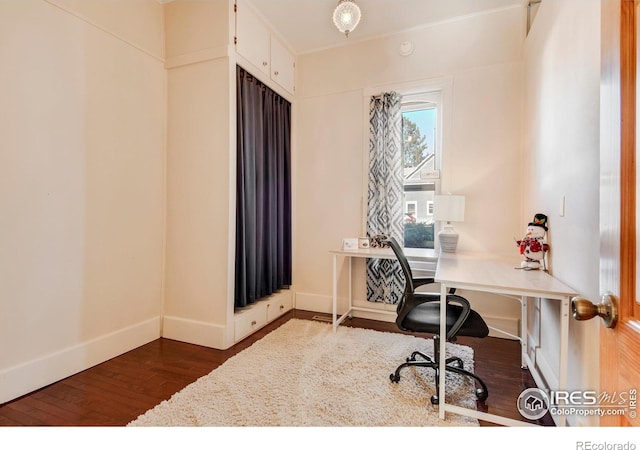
{"x": 448, "y": 239}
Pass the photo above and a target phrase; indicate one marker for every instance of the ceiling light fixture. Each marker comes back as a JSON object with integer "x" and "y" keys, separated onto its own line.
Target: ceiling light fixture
{"x": 346, "y": 16}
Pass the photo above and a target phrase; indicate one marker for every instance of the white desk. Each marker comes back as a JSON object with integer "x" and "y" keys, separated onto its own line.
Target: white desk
{"x": 381, "y": 253}
{"x": 481, "y": 272}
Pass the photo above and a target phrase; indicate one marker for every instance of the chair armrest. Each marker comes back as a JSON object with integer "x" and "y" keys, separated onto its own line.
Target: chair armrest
{"x": 417, "y": 282}
{"x": 466, "y": 310}
{"x": 422, "y": 281}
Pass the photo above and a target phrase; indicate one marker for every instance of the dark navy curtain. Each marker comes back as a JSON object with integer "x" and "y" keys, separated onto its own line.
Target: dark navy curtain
{"x": 263, "y": 211}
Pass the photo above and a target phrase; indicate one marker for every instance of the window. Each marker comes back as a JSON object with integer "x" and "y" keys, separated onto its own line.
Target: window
{"x": 411, "y": 208}
{"x": 420, "y": 156}
{"x": 425, "y": 114}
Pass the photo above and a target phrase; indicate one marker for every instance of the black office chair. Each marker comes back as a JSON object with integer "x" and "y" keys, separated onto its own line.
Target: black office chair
{"x": 419, "y": 312}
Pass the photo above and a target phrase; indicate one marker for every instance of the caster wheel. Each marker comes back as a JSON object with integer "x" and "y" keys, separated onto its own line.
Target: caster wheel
{"x": 394, "y": 378}
{"x": 481, "y": 394}
{"x": 457, "y": 363}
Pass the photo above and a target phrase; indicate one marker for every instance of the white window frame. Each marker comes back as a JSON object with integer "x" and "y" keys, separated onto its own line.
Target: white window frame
{"x": 415, "y": 207}
{"x": 430, "y": 208}
{"x": 434, "y": 90}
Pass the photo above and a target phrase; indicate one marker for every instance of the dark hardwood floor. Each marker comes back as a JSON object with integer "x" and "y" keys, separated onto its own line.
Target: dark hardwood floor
{"x": 119, "y": 390}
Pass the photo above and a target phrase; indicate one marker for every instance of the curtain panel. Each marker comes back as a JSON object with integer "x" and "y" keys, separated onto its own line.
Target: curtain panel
{"x": 263, "y": 261}
{"x": 385, "y": 282}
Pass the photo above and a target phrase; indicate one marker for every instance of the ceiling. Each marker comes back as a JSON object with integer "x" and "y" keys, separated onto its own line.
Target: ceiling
{"x": 307, "y": 25}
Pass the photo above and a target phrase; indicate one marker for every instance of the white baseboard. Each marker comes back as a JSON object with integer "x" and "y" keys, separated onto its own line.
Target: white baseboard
{"x": 509, "y": 324}
{"x": 546, "y": 370}
{"x": 547, "y": 379}
{"x": 323, "y": 304}
{"x": 314, "y": 302}
{"x": 195, "y": 332}
{"x": 35, "y": 374}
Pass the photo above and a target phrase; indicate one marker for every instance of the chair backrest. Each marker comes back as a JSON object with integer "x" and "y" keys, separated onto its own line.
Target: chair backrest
{"x": 404, "y": 264}
{"x": 410, "y": 299}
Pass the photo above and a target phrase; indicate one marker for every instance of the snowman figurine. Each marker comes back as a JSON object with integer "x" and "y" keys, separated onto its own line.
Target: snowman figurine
{"x": 533, "y": 246}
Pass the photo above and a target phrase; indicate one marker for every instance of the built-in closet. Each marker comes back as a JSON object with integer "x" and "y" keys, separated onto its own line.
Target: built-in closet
{"x": 205, "y": 44}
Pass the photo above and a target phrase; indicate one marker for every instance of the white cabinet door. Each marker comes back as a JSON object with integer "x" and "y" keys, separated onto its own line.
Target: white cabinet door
{"x": 252, "y": 38}
{"x": 282, "y": 65}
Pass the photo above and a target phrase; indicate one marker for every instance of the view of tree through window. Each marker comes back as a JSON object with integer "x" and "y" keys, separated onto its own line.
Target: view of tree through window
{"x": 418, "y": 153}
{"x": 414, "y": 142}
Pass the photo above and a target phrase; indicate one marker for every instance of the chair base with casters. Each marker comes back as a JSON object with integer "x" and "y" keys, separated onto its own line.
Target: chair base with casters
{"x": 453, "y": 364}
{"x": 419, "y": 312}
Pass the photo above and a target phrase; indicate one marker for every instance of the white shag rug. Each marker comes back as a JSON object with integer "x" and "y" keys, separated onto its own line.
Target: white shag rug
{"x": 304, "y": 374}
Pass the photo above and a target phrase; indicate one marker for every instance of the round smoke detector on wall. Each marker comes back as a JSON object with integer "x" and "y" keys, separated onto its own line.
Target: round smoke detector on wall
{"x": 406, "y": 48}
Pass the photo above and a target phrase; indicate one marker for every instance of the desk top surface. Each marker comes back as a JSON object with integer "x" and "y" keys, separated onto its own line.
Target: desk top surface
{"x": 426, "y": 254}
{"x": 498, "y": 274}
{"x": 477, "y": 271}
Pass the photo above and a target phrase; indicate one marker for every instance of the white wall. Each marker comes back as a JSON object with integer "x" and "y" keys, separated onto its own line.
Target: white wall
{"x": 481, "y": 57}
{"x": 198, "y": 305}
{"x": 81, "y": 186}
{"x": 196, "y": 289}
{"x": 562, "y": 71}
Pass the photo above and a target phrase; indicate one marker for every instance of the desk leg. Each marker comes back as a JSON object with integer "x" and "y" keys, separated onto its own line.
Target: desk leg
{"x": 350, "y": 287}
{"x": 335, "y": 293}
{"x": 523, "y": 332}
{"x": 443, "y": 348}
{"x": 564, "y": 351}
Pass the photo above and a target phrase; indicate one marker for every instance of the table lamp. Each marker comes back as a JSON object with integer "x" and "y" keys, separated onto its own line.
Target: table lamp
{"x": 448, "y": 208}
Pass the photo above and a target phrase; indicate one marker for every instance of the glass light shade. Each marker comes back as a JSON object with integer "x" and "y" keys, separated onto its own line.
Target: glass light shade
{"x": 346, "y": 16}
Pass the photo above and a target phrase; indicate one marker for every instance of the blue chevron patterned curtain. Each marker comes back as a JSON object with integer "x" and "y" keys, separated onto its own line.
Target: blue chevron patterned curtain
{"x": 385, "y": 281}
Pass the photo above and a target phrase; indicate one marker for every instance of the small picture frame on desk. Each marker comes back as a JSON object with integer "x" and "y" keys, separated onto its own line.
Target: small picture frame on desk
{"x": 363, "y": 242}
{"x": 350, "y": 244}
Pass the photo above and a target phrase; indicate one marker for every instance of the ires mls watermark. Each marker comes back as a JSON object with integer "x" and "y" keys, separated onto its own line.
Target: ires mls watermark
{"x": 534, "y": 403}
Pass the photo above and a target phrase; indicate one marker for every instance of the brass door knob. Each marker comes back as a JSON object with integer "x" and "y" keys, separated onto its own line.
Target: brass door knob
{"x": 607, "y": 309}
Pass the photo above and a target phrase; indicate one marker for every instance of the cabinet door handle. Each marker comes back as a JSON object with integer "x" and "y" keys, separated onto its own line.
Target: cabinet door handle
{"x": 264, "y": 63}
{"x": 276, "y": 73}
{"x": 253, "y": 323}
{"x": 281, "y": 307}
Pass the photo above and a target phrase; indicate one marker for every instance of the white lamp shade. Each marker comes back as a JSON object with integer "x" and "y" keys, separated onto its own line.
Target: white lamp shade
{"x": 449, "y": 208}
{"x": 346, "y": 16}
